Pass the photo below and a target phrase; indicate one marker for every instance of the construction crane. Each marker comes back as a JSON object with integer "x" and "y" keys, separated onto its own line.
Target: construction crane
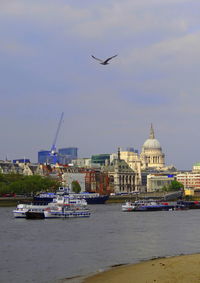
{"x": 53, "y": 152}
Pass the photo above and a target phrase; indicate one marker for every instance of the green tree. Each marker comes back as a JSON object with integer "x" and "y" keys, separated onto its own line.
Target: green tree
{"x": 11, "y": 177}
{"x": 18, "y": 187}
{"x": 19, "y": 184}
{"x": 4, "y": 189}
{"x": 76, "y": 188}
{"x": 175, "y": 186}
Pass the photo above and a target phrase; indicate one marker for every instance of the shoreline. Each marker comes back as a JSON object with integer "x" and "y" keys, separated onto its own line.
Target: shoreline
{"x": 175, "y": 269}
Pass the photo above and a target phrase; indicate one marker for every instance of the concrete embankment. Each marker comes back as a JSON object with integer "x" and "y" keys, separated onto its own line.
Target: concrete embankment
{"x": 12, "y": 201}
{"x": 173, "y": 196}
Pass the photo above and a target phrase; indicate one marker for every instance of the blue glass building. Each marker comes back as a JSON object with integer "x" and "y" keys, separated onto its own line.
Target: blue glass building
{"x": 64, "y": 156}
{"x": 44, "y": 156}
{"x": 67, "y": 154}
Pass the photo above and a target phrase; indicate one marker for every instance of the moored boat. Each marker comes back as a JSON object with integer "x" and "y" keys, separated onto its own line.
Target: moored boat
{"x": 90, "y": 198}
{"x": 152, "y": 205}
{"x": 22, "y": 208}
{"x": 190, "y": 204}
{"x": 128, "y": 206}
{"x": 67, "y": 207}
{"x": 65, "y": 212}
{"x": 93, "y": 198}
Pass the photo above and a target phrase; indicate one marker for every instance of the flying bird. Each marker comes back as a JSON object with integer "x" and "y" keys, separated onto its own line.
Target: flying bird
{"x": 104, "y": 62}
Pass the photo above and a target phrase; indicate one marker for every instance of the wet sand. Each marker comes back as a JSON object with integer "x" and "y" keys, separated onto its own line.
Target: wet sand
{"x": 179, "y": 269}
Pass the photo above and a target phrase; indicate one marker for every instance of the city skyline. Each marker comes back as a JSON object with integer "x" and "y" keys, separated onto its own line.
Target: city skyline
{"x": 46, "y": 69}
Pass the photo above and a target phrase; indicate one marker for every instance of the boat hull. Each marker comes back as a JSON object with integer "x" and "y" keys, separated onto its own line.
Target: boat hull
{"x": 19, "y": 214}
{"x": 34, "y": 215}
{"x": 69, "y": 214}
{"x": 160, "y": 208}
{"x": 97, "y": 200}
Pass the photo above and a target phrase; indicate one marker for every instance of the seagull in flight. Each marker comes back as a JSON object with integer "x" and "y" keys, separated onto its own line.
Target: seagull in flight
{"x": 104, "y": 62}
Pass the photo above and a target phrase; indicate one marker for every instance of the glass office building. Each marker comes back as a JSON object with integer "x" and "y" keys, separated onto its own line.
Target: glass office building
{"x": 100, "y": 158}
{"x": 67, "y": 154}
{"x": 44, "y": 156}
{"x": 63, "y": 156}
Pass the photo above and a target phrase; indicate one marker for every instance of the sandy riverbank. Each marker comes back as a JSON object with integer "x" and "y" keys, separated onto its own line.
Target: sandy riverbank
{"x": 180, "y": 269}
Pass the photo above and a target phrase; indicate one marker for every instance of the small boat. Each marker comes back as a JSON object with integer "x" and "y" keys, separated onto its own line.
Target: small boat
{"x": 133, "y": 206}
{"x": 22, "y": 208}
{"x": 20, "y": 211}
{"x": 128, "y": 206}
{"x": 190, "y": 204}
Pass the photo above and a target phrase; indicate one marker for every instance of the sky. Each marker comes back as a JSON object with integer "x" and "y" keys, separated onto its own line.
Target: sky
{"x": 46, "y": 68}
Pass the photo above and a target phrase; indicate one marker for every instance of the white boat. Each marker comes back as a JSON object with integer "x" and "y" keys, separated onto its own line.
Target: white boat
{"x": 22, "y": 208}
{"x": 67, "y": 207}
{"x": 65, "y": 212}
{"x": 128, "y": 206}
{"x": 133, "y": 206}
{"x": 152, "y": 205}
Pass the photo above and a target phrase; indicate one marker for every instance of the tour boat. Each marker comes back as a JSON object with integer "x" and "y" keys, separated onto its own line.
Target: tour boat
{"x": 152, "y": 205}
{"x": 66, "y": 207}
{"x": 65, "y": 212}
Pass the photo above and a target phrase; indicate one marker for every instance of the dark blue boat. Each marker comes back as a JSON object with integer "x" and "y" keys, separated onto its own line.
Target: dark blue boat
{"x": 91, "y": 198}
{"x": 101, "y": 199}
{"x": 158, "y": 206}
{"x": 190, "y": 204}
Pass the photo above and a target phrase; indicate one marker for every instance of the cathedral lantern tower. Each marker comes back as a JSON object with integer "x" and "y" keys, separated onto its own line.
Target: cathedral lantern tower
{"x": 151, "y": 155}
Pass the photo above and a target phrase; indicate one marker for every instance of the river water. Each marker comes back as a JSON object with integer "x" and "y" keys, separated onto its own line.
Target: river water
{"x": 48, "y": 250}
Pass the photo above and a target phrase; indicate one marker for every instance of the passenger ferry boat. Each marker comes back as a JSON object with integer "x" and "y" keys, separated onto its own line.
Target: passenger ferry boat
{"x": 67, "y": 207}
{"x": 152, "y": 205}
{"x": 65, "y": 212}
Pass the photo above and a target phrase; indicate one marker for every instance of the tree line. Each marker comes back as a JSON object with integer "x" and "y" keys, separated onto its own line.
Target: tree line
{"x": 174, "y": 186}
{"x": 26, "y": 185}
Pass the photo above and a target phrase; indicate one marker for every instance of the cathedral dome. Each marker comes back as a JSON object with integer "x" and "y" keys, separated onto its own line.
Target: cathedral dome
{"x": 151, "y": 142}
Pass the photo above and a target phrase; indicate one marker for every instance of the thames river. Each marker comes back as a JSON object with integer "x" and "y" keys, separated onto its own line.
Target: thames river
{"x": 48, "y": 250}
